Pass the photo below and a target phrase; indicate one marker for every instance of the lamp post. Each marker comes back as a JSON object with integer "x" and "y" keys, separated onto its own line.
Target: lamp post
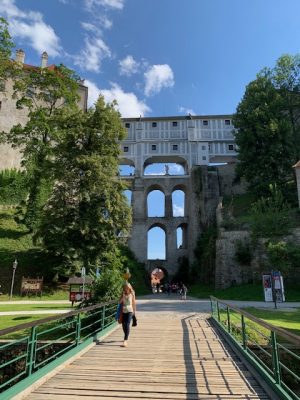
{"x": 15, "y": 264}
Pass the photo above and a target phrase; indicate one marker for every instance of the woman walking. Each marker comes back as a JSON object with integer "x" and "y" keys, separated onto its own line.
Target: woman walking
{"x": 129, "y": 308}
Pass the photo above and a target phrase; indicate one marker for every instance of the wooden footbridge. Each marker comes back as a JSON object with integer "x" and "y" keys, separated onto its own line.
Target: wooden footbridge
{"x": 176, "y": 352}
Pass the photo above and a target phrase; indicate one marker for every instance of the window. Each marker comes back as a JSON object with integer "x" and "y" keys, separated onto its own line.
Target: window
{"x": 227, "y": 122}
{"x": 175, "y": 147}
{"x": 174, "y": 123}
{"x": 203, "y": 147}
{"x": 126, "y": 149}
{"x": 230, "y": 147}
{"x": 127, "y": 125}
{"x": 153, "y": 147}
{"x": 204, "y": 158}
{"x": 209, "y": 147}
{"x": 154, "y": 124}
{"x": 205, "y": 122}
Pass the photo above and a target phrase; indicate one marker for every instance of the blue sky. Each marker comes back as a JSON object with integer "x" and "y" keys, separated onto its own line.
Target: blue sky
{"x": 159, "y": 57}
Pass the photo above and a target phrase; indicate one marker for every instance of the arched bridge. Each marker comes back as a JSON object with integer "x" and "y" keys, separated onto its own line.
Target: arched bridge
{"x": 180, "y": 350}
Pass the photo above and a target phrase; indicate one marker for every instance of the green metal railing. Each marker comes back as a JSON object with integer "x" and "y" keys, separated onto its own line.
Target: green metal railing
{"x": 273, "y": 351}
{"x": 30, "y": 350}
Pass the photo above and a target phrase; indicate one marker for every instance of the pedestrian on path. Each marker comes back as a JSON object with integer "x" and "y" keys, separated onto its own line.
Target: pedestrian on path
{"x": 129, "y": 308}
{"x": 183, "y": 292}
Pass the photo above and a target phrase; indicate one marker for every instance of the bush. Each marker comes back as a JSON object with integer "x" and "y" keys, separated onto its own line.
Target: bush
{"x": 203, "y": 268}
{"x": 270, "y": 215}
{"x": 283, "y": 256}
{"x": 243, "y": 252}
{"x": 13, "y": 186}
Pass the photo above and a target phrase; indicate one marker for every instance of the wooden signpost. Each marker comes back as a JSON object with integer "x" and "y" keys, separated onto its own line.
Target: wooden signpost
{"x": 31, "y": 285}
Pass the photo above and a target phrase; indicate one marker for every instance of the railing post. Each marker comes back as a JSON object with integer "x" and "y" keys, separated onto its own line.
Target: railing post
{"x": 218, "y": 311}
{"x": 275, "y": 359}
{"x": 103, "y": 318}
{"x": 78, "y": 329}
{"x": 244, "y": 333}
{"x": 228, "y": 319}
{"x": 32, "y": 346}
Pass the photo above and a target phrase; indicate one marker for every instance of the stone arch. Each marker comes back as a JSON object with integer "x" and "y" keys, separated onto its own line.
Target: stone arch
{"x": 128, "y": 166}
{"x": 165, "y": 160}
{"x": 184, "y": 230}
{"x": 158, "y": 206}
{"x": 157, "y": 244}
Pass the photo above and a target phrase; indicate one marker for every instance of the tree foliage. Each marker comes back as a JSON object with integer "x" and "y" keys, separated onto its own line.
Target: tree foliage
{"x": 6, "y": 46}
{"x": 263, "y": 137}
{"x": 87, "y": 213}
{"x": 268, "y": 135}
{"x": 48, "y": 95}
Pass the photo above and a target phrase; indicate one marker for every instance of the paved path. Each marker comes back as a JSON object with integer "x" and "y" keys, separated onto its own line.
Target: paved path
{"x": 174, "y": 353}
{"x": 160, "y": 301}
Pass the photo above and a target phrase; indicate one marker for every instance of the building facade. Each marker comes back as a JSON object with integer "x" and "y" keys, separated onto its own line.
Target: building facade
{"x": 193, "y": 142}
{"x": 190, "y": 140}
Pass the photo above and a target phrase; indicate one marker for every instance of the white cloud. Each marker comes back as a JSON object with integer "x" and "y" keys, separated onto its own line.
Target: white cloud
{"x": 31, "y": 27}
{"x": 91, "y": 56}
{"x": 88, "y": 26}
{"x": 178, "y": 211}
{"x": 128, "y": 66}
{"x": 158, "y": 77}
{"x": 128, "y": 104}
{"x": 185, "y": 110}
{"x": 115, "y": 4}
{"x": 106, "y": 22}
{"x": 176, "y": 169}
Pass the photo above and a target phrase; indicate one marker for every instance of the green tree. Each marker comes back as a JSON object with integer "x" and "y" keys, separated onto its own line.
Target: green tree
{"x": 6, "y": 46}
{"x": 87, "y": 214}
{"x": 264, "y": 137}
{"x": 285, "y": 77}
{"x": 48, "y": 94}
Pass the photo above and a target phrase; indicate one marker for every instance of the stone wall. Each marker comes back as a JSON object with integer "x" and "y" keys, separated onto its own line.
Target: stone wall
{"x": 229, "y": 184}
{"x": 229, "y": 272}
{"x": 201, "y": 199}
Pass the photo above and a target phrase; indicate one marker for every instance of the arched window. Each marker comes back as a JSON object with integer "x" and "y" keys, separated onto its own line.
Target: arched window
{"x": 126, "y": 170}
{"x": 181, "y": 235}
{"x": 126, "y": 167}
{"x": 178, "y": 200}
{"x": 128, "y": 194}
{"x": 156, "y": 204}
{"x": 164, "y": 169}
{"x": 156, "y": 245}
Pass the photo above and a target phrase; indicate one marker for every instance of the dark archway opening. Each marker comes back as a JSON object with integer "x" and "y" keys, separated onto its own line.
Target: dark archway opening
{"x": 159, "y": 278}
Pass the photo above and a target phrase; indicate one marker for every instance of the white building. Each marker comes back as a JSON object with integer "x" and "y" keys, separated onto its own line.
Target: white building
{"x": 187, "y": 140}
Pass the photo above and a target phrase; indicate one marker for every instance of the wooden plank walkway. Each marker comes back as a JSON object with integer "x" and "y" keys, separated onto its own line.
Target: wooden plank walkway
{"x": 170, "y": 356}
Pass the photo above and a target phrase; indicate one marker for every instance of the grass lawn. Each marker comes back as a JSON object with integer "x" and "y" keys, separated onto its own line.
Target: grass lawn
{"x": 289, "y": 320}
{"x": 242, "y": 292}
{"x": 7, "y": 321}
{"x": 33, "y": 307}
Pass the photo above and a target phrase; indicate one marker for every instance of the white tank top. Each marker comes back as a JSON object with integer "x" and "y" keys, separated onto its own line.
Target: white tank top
{"x": 127, "y": 303}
